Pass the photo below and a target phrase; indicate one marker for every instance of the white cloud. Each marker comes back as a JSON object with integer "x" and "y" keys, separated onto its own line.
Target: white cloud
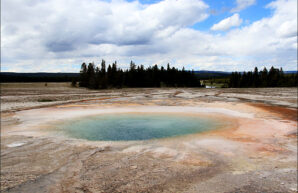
{"x": 40, "y": 35}
{"x": 227, "y": 23}
{"x": 60, "y": 27}
{"x": 242, "y": 4}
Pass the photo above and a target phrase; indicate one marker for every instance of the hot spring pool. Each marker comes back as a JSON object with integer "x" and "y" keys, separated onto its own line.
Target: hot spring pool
{"x": 133, "y": 126}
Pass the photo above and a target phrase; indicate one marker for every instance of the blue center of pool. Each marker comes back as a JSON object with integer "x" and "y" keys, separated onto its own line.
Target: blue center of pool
{"x": 131, "y": 126}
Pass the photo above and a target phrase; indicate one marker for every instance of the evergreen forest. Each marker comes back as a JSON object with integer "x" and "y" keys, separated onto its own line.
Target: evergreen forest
{"x": 103, "y": 77}
{"x": 273, "y": 78}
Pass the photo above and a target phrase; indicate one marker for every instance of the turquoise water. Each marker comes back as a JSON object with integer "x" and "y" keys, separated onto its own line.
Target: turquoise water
{"x": 124, "y": 127}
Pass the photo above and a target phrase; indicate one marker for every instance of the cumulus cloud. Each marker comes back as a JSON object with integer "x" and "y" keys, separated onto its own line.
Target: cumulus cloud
{"x": 242, "y": 4}
{"x": 44, "y": 35}
{"x": 227, "y": 23}
{"x": 59, "y": 28}
{"x": 62, "y": 26}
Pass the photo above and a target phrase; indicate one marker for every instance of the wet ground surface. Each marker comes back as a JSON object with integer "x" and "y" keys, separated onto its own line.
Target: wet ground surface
{"x": 28, "y": 95}
{"x": 258, "y": 153}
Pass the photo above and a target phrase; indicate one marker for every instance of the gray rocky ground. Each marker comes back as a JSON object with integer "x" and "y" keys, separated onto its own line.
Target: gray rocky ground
{"x": 259, "y": 155}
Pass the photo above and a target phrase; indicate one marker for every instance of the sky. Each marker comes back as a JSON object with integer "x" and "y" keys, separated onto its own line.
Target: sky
{"x": 229, "y": 35}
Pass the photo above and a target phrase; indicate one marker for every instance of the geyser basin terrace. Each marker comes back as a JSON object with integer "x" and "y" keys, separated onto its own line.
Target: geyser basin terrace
{"x": 138, "y": 126}
{"x": 256, "y": 153}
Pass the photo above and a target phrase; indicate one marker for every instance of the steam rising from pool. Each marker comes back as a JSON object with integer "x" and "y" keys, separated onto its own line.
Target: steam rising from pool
{"x": 132, "y": 126}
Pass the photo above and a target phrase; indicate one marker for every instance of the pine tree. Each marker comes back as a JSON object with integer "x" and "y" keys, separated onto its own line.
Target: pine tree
{"x": 91, "y": 76}
{"x": 83, "y": 76}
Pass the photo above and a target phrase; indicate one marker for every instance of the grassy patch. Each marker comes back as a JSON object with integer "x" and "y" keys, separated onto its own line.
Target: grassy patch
{"x": 218, "y": 83}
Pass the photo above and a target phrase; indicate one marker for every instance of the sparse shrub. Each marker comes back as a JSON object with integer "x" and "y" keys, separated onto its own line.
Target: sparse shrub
{"x": 74, "y": 83}
{"x": 45, "y": 100}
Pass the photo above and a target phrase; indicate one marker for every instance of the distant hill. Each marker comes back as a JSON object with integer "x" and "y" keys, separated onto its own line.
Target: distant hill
{"x": 205, "y": 74}
{"x": 37, "y": 77}
{"x": 291, "y": 72}
{"x": 67, "y": 76}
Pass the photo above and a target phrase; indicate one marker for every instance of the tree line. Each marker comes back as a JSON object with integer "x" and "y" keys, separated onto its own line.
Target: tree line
{"x": 103, "y": 77}
{"x": 273, "y": 78}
